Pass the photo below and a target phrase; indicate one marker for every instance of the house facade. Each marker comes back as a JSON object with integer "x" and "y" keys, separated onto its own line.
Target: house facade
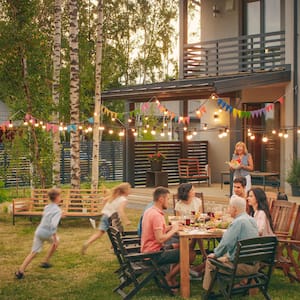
{"x": 248, "y": 57}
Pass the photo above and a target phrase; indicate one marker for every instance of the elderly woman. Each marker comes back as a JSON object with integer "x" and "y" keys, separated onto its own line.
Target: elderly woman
{"x": 245, "y": 163}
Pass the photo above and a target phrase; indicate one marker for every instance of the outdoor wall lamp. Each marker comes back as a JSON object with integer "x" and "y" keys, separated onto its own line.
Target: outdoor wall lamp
{"x": 215, "y": 10}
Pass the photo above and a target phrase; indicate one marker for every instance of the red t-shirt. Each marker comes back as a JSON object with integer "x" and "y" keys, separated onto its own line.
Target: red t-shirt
{"x": 153, "y": 219}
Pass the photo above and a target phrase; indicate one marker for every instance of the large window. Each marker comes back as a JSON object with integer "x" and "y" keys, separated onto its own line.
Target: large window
{"x": 262, "y": 16}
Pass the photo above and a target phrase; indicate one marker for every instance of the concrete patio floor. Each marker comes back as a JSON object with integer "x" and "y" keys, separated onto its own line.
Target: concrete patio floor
{"x": 141, "y": 196}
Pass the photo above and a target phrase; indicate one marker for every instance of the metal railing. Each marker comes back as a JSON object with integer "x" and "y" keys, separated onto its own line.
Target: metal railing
{"x": 248, "y": 53}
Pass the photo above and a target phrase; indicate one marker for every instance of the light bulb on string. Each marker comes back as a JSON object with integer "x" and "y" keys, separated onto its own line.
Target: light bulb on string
{"x": 194, "y": 131}
{"x": 169, "y": 132}
{"x": 145, "y": 130}
{"x": 184, "y": 128}
{"x": 252, "y": 137}
{"x": 10, "y": 125}
{"x": 264, "y": 139}
{"x": 129, "y": 120}
{"x": 36, "y": 125}
{"x": 220, "y": 110}
{"x": 135, "y": 133}
{"x": 31, "y": 121}
{"x": 162, "y": 134}
{"x": 165, "y": 124}
{"x": 205, "y": 127}
{"x": 110, "y": 131}
{"x": 122, "y": 133}
{"x": 189, "y": 136}
{"x": 61, "y": 128}
{"x": 227, "y": 130}
{"x": 113, "y": 119}
{"x": 25, "y": 123}
{"x": 273, "y": 131}
{"x": 220, "y": 135}
{"x": 213, "y": 96}
{"x": 153, "y": 131}
{"x": 41, "y": 122}
{"x": 101, "y": 128}
{"x": 280, "y": 134}
{"x": 80, "y": 127}
{"x": 216, "y": 117}
{"x": 298, "y": 130}
{"x": 166, "y": 112}
{"x": 198, "y": 112}
{"x": 65, "y": 128}
{"x": 147, "y": 125}
{"x": 86, "y": 130}
{"x": 43, "y": 127}
{"x": 146, "y": 118}
{"x": 285, "y": 135}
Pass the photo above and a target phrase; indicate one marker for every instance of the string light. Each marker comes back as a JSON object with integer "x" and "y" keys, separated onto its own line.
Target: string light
{"x": 285, "y": 135}
{"x": 184, "y": 128}
{"x": 60, "y": 128}
{"x": 36, "y": 125}
{"x": 198, "y": 112}
{"x": 264, "y": 139}
{"x": 216, "y": 116}
{"x": 273, "y": 131}
{"x": 162, "y": 134}
{"x": 169, "y": 132}
{"x": 298, "y": 130}
{"x": 194, "y": 131}
{"x": 31, "y": 121}
{"x": 43, "y": 127}
{"x": 10, "y": 125}
{"x": 113, "y": 119}
{"x": 220, "y": 135}
{"x": 252, "y": 137}
{"x": 80, "y": 127}
{"x": 189, "y": 136}
{"x": 146, "y": 118}
{"x": 135, "y": 133}
{"x": 65, "y": 128}
{"x": 25, "y": 123}
{"x": 280, "y": 134}
{"x": 101, "y": 128}
{"x": 165, "y": 124}
{"x": 153, "y": 132}
{"x": 147, "y": 125}
{"x": 213, "y": 97}
{"x": 205, "y": 127}
{"x": 129, "y": 120}
{"x": 145, "y": 130}
{"x": 110, "y": 131}
{"x": 121, "y": 133}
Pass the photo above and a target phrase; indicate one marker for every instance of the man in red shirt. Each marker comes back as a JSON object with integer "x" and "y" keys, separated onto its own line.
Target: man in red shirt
{"x": 156, "y": 233}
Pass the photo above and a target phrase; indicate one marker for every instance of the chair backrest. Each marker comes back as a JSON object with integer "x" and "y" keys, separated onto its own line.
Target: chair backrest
{"x": 296, "y": 227}
{"x": 271, "y": 196}
{"x": 282, "y": 213}
{"x": 254, "y": 250}
{"x": 118, "y": 245}
{"x": 197, "y": 195}
{"x": 116, "y": 223}
{"x": 188, "y": 167}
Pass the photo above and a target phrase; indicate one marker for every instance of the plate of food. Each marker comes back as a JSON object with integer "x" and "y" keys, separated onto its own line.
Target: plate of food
{"x": 234, "y": 163}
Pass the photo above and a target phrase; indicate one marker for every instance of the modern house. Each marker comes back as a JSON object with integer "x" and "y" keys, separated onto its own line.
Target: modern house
{"x": 248, "y": 56}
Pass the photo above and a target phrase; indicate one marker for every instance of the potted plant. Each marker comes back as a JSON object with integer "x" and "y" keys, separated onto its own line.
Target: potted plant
{"x": 293, "y": 177}
{"x": 156, "y": 160}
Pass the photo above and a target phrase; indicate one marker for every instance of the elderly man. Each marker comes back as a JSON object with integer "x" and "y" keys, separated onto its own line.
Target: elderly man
{"x": 156, "y": 234}
{"x": 242, "y": 227}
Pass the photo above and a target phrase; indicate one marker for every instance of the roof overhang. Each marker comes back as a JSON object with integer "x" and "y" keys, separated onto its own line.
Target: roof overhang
{"x": 188, "y": 89}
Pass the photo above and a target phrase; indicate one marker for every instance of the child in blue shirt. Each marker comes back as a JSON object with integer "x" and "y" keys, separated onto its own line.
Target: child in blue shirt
{"x": 46, "y": 231}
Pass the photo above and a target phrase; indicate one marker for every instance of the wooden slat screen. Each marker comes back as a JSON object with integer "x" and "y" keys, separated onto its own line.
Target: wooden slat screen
{"x": 172, "y": 150}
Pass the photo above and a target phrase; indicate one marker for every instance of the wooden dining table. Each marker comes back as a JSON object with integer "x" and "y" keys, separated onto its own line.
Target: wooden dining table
{"x": 184, "y": 237}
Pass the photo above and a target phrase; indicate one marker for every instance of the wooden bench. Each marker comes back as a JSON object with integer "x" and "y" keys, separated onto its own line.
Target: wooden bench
{"x": 82, "y": 203}
{"x": 191, "y": 169}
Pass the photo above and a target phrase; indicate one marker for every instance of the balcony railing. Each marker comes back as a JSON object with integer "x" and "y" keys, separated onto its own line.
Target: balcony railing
{"x": 248, "y": 53}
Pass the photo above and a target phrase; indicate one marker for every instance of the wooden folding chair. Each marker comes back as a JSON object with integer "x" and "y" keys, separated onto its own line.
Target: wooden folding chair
{"x": 271, "y": 196}
{"x": 256, "y": 251}
{"x": 282, "y": 213}
{"x": 136, "y": 269}
{"x": 291, "y": 244}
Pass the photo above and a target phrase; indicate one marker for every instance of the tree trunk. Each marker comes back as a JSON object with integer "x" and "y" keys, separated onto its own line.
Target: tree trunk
{"x": 55, "y": 91}
{"x": 74, "y": 94}
{"x": 96, "y": 131}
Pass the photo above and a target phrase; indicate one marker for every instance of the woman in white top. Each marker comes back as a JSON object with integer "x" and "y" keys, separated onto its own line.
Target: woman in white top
{"x": 114, "y": 203}
{"x": 259, "y": 209}
{"x": 187, "y": 205}
{"x": 187, "y": 202}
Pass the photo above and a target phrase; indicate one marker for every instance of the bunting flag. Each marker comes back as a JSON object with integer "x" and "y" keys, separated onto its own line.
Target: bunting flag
{"x": 247, "y": 114}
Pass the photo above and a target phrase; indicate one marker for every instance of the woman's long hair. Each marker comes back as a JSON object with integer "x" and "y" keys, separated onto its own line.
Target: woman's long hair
{"x": 262, "y": 204}
{"x": 183, "y": 191}
{"x": 117, "y": 191}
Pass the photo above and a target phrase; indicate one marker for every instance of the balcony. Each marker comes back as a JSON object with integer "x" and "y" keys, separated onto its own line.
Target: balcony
{"x": 240, "y": 55}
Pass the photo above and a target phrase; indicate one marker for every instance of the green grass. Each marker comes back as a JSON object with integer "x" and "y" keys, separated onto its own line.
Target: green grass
{"x": 82, "y": 277}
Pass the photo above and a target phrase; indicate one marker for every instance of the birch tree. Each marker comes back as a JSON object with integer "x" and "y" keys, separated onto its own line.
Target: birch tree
{"x": 55, "y": 90}
{"x": 96, "y": 131}
{"x": 74, "y": 93}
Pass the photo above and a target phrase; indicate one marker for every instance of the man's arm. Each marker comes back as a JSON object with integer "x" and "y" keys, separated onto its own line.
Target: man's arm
{"x": 162, "y": 237}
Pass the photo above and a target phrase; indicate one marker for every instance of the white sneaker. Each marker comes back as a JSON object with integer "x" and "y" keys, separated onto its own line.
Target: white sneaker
{"x": 194, "y": 273}
{"x": 93, "y": 223}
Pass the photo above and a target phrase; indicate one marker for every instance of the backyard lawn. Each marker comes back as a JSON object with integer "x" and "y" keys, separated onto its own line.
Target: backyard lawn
{"x": 74, "y": 276}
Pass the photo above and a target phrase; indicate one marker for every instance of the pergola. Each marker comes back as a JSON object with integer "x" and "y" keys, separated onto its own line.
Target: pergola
{"x": 188, "y": 89}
